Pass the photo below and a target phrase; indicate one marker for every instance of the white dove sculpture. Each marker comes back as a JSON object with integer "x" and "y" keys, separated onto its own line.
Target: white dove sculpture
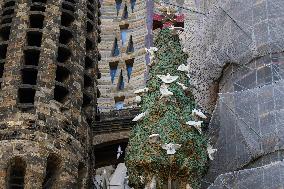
{"x": 182, "y": 86}
{"x": 119, "y": 152}
{"x": 196, "y": 125}
{"x": 211, "y": 151}
{"x": 171, "y": 148}
{"x": 183, "y": 68}
{"x": 168, "y": 79}
{"x": 165, "y": 91}
{"x": 154, "y": 138}
{"x": 198, "y": 113}
{"x": 138, "y": 99}
{"x": 141, "y": 91}
{"x": 140, "y": 116}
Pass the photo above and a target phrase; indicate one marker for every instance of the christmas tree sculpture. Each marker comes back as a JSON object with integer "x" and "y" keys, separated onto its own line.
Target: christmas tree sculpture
{"x": 167, "y": 144}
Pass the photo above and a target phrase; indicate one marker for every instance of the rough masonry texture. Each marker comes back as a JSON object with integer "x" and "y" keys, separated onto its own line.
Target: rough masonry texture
{"x": 48, "y": 84}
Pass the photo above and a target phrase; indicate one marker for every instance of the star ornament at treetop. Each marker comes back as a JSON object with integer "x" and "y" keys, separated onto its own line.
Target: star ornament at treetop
{"x": 211, "y": 151}
{"x": 171, "y": 148}
{"x": 140, "y": 116}
{"x": 198, "y": 113}
{"x": 165, "y": 91}
{"x": 168, "y": 79}
{"x": 196, "y": 125}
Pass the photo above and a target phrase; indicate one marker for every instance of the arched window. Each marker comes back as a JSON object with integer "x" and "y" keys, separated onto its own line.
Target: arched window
{"x": 118, "y": 5}
{"x": 115, "y": 50}
{"x": 81, "y": 174}
{"x": 132, "y": 2}
{"x": 51, "y": 172}
{"x": 16, "y": 174}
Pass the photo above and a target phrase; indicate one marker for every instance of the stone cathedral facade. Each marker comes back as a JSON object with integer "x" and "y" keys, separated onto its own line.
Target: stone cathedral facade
{"x": 69, "y": 68}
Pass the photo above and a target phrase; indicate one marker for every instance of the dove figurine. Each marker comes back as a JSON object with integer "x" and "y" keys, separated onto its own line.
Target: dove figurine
{"x": 140, "y": 116}
{"x": 168, "y": 79}
{"x": 198, "y": 113}
{"x": 211, "y": 151}
{"x": 196, "y": 125}
{"x": 154, "y": 138}
{"x": 165, "y": 91}
{"x": 171, "y": 148}
{"x": 182, "y": 86}
{"x": 119, "y": 152}
{"x": 183, "y": 68}
{"x": 140, "y": 91}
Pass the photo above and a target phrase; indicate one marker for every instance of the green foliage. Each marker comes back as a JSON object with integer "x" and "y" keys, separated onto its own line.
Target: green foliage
{"x": 167, "y": 117}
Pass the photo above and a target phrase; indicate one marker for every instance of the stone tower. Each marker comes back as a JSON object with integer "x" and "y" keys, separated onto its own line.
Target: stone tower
{"x": 48, "y": 91}
{"x": 122, "y": 46}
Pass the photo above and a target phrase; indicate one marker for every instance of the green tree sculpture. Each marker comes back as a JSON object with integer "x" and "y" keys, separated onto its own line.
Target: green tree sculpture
{"x": 165, "y": 121}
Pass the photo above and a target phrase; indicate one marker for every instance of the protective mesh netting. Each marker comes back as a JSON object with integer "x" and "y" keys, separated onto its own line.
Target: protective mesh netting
{"x": 247, "y": 126}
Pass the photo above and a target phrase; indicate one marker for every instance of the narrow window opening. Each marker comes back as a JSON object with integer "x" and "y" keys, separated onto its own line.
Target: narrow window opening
{"x": 99, "y": 57}
{"x": 99, "y": 13}
{"x": 89, "y": 44}
{"x": 1, "y": 70}
{"x": 7, "y": 20}
{"x": 119, "y": 102}
{"x": 34, "y": 38}
{"x": 8, "y": 11}
{"x": 5, "y": 33}
{"x": 9, "y": 4}
{"x": 82, "y": 171}
{"x": 31, "y": 57}
{"x": 99, "y": 74}
{"x": 71, "y": 1}
{"x": 26, "y": 95}
{"x": 98, "y": 93}
{"x": 36, "y": 21}
{"x": 118, "y": 5}
{"x": 63, "y": 54}
{"x": 113, "y": 69}
{"x": 60, "y": 93}
{"x": 120, "y": 82}
{"x": 65, "y": 36}
{"x": 51, "y": 172}
{"x": 99, "y": 21}
{"x": 66, "y": 19}
{"x": 16, "y": 174}
{"x": 115, "y": 51}
{"x": 132, "y": 2}
{"x": 129, "y": 66}
{"x": 123, "y": 34}
{"x": 3, "y": 51}
{"x": 29, "y": 76}
{"x": 39, "y": 1}
{"x": 90, "y": 27}
{"x": 125, "y": 13}
{"x": 86, "y": 100}
{"x": 88, "y": 82}
{"x": 99, "y": 39}
{"x": 130, "y": 48}
{"x": 68, "y": 6}
{"x": 38, "y": 7}
{"x": 88, "y": 63}
{"x": 62, "y": 74}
